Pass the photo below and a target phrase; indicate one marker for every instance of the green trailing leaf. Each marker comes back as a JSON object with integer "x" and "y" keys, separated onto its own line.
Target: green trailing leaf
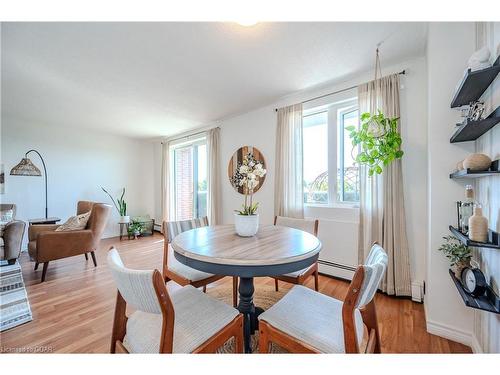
{"x": 379, "y": 141}
{"x": 455, "y": 251}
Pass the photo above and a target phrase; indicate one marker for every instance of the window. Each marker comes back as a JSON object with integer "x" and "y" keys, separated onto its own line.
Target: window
{"x": 189, "y": 179}
{"x": 330, "y": 172}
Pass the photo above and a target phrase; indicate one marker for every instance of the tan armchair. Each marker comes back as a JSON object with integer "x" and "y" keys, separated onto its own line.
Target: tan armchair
{"x": 45, "y": 244}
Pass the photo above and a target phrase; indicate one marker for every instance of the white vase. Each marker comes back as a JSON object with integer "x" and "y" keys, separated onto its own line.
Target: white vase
{"x": 124, "y": 219}
{"x": 246, "y": 225}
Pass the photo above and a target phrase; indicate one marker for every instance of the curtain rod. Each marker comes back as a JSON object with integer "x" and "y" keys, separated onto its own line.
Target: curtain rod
{"x": 187, "y": 136}
{"x": 335, "y": 92}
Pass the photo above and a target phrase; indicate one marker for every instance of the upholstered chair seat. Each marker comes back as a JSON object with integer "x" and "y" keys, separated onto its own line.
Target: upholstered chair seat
{"x": 313, "y": 318}
{"x": 307, "y": 321}
{"x": 300, "y": 276}
{"x": 198, "y": 317}
{"x": 184, "y": 321}
{"x": 188, "y": 272}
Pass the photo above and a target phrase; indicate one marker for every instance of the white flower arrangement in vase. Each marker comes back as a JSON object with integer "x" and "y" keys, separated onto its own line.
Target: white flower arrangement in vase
{"x": 247, "y": 176}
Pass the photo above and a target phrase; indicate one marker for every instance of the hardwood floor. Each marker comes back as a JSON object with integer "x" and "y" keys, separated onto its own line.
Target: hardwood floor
{"x": 73, "y": 308}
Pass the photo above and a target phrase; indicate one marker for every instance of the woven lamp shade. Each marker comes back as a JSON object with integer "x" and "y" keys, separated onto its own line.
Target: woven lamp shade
{"x": 25, "y": 168}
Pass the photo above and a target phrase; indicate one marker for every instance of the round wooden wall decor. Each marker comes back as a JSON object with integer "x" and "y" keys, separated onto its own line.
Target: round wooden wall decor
{"x": 235, "y": 163}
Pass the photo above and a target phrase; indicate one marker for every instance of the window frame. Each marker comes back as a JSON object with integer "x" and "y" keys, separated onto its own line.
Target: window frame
{"x": 198, "y": 141}
{"x": 335, "y": 108}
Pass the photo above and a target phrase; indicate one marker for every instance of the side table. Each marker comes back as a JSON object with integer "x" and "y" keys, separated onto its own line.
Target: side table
{"x": 48, "y": 220}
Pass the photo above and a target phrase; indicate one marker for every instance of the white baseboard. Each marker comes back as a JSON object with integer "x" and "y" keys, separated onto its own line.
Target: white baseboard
{"x": 450, "y": 333}
{"x": 417, "y": 291}
{"x": 476, "y": 346}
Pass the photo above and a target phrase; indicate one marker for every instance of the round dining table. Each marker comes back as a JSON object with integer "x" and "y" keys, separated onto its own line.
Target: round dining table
{"x": 274, "y": 250}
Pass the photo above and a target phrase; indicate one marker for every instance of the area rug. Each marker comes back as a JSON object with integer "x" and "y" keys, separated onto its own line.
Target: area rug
{"x": 14, "y": 305}
{"x": 265, "y": 296}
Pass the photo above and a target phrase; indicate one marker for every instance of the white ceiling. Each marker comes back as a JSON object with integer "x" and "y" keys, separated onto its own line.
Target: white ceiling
{"x": 156, "y": 79}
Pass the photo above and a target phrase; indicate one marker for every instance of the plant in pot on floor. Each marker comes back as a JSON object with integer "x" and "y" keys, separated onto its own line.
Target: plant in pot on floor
{"x": 120, "y": 205}
{"x": 458, "y": 254}
{"x": 246, "y": 220}
{"x": 135, "y": 229}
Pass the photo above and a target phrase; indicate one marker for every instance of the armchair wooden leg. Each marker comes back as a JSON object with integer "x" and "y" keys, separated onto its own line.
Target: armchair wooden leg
{"x": 276, "y": 285}
{"x": 316, "y": 280}
{"x": 44, "y": 270}
{"x": 235, "y": 291}
{"x": 36, "y": 266}
{"x": 86, "y": 256}
{"x": 204, "y": 288}
{"x": 263, "y": 338}
{"x": 93, "y": 258}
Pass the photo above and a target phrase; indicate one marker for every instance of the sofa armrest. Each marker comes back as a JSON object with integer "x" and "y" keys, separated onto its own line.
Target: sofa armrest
{"x": 13, "y": 237}
{"x": 51, "y": 245}
{"x": 34, "y": 230}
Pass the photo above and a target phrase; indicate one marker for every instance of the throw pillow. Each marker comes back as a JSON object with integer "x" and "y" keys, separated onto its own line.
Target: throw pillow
{"x": 6, "y": 216}
{"x": 77, "y": 222}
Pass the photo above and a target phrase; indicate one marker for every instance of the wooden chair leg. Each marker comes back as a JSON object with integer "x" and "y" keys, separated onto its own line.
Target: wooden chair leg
{"x": 93, "y": 258}
{"x": 276, "y": 285}
{"x": 235, "y": 291}
{"x": 238, "y": 339}
{"x": 44, "y": 270}
{"x": 263, "y": 339}
{"x": 204, "y": 288}
{"x": 316, "y": 280}
{"x": 36, "y": 266}
{"x": 86, "y": 256}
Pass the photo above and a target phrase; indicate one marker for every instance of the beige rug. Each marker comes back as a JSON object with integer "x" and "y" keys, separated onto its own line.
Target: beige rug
{"x": 265, "y": 296}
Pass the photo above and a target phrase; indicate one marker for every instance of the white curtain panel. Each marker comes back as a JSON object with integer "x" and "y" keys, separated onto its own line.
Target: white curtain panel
{"x": 165, "y": 181}
{"x": 213, "y": 180}
{"x": 288, "y": 188}
{"x": 382, "y": 212}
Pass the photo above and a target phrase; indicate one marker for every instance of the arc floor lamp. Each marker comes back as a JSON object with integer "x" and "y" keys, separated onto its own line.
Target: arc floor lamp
{"x": 27, "y": 168}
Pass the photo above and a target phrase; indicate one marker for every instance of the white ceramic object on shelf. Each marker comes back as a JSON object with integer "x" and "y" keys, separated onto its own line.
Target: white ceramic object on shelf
{"x": 478, "y": 226}
{"x": 124, "y": 219}
{"x": 477, "y": 162}
{"x": 246, "y": 225}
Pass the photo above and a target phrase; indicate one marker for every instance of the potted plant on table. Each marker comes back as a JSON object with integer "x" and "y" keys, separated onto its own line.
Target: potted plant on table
{"x": 458, "y": 254}
{"x": 135, "y": 229}
{"x": 120, "y": 205}
{"x": 246, "y": 220}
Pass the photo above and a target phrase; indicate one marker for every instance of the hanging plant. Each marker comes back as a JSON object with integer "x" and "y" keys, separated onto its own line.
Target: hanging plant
{"x": 379, "y": 141}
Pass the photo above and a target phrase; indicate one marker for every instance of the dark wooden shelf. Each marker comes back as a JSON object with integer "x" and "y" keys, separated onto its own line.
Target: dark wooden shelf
{"x": 474, "y": 84}
{"x": 488, "y": 302}
{"x": 493, "y": 240}
{"x": 472, "y": 130}
{"x": 467, "y": 173}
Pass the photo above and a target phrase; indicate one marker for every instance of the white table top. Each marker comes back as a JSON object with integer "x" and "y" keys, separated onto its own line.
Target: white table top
{"x": 272, "y": 245}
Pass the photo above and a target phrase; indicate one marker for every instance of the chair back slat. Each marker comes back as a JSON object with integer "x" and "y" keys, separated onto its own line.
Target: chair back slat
{"x": 374, "y": 269}
{"x": 174, "y": 228}
{"x": 307, "y": 225}
{"x": 135, "y": 286}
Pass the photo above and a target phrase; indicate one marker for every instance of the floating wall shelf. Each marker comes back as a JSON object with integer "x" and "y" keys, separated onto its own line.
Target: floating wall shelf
{"x": 467, "y": 173}
{"x": 472, "y": 130}
{"x": 488, "y": 302}
{"x": 493, "y": 240}
{"x": 474, "y": 84}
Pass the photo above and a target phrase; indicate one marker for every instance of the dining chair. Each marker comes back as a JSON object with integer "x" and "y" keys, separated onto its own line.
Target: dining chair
{"x": 299, "y": 277}
{"x": 185, "y": 321}
{"x": 180, "y": 273}
{"x": 304, "y": 321}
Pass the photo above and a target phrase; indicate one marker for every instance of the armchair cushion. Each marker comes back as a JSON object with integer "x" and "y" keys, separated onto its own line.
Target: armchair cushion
{"x": 35, "y": 230}
{"x": 77, "y": 222}
{"x": 197, "y": 318}
{"x": 11, "y": 239}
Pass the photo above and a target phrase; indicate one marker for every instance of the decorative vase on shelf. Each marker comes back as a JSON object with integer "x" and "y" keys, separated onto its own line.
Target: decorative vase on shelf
{"x": 459, "y": 267}
{"x": 478, "y": 225}
{"x": 246, "y": 225}
{"x": 477, "y": 162}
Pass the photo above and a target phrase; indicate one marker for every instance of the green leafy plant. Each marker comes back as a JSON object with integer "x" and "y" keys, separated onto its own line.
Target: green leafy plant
{"x": 120, "y": 204}
{"x": 250, "y": 209}
{"x": 379, "y": 141}
{"x": 136, "y": 227}
{"x": 455, "y": 251}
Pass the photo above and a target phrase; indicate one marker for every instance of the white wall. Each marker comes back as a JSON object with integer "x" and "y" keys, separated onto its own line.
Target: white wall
{"x": 78, "y": 164}
{"x": 486, "y": 329}
{"x": 258, "y": 127}
{"x": 449, "y": 48}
